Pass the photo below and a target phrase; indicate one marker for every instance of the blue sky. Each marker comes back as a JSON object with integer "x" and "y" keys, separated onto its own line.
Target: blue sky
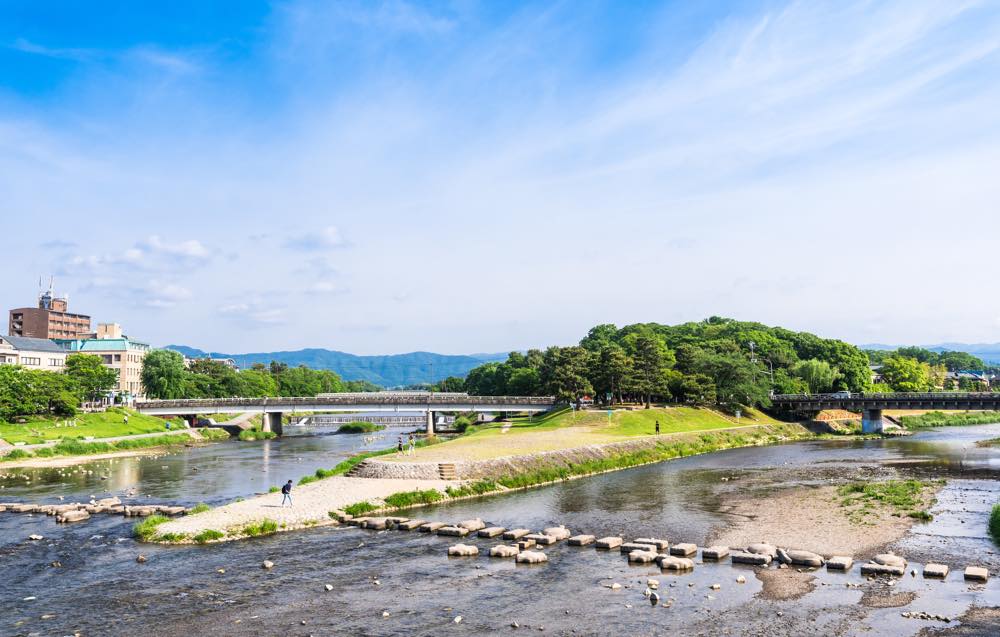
{"x": 465, "y": 176}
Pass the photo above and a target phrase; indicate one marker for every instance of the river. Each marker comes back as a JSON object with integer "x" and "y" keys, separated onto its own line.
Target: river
{"x": 100, "y": 589}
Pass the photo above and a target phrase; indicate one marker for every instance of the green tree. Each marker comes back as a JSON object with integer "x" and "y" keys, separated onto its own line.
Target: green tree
{"x": 906, "y": 374}
{"x": 452, "y": 384}
{"x": 651, "y": 361}
{"x": 818, "y": 375}
{"x": 163, "y": 374}
{"x": 89, "y": 376}
{"x": 564, "y": 373}
{"x": 524, "y": 381}
{"x": 610, "y": 370}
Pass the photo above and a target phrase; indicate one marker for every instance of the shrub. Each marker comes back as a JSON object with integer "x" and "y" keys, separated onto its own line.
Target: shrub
{"x": 359, "y": 508}
{"x": 145, "y": 530}
{"x": 18, "y": 454}
{"x": 275, "y": 489}
{"x": 923, "y": 516}
{"x": 172, "y": 537}
{"x": 410, "y": 498}
{"x": 359, "y": 427}
{"x": 208, "y": 535}
{"x": 995, "y": 523}
{"x": 256, "y": 434}
{"x": 214, "y": 433}
{"x": 201, "y": 507}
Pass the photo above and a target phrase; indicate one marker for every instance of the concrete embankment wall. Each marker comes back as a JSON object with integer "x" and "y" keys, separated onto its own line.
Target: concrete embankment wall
{"x": 514, "y": 465}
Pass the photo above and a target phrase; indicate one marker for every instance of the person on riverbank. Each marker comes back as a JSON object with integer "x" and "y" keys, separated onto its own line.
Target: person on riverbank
{"x": 399, "y": 446}
{"x": 286, "y": 494}
{"x": 413, "y": 445}
{"x": 657, "y": 427}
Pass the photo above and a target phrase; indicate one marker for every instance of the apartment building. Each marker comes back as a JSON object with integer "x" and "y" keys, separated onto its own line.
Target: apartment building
{"x": 51, "y": 319}
{"x": 118, "y": 352}
{"x": 32, "y": 353}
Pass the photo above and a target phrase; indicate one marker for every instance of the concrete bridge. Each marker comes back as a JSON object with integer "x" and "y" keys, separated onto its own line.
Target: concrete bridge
{"x": 274, "y": 408}
{"x": 872, "y": 405}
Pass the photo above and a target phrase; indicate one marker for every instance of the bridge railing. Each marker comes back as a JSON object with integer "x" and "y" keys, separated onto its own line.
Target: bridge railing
{"x": 854, "y": 396}
{"x": 426, "y": 400}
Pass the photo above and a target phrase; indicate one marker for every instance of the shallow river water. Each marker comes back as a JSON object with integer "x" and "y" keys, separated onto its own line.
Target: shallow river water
{"x": 100, "y": 589}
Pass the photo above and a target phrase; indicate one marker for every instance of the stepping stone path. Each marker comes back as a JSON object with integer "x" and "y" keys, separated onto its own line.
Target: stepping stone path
{"x": 580, "y": 540}
{"x": 504, "y": 550}
{"x": 472, "y": 525}
{"x": 492, "y": 531}
{"x": 671, "y": 563}
{"x": 72, "y": 516}
{"x": 608, "y": 543}
{"x": 683, "y": 549}
{"x": 661, "y": 545}
{"x": 935, "y": 570}
{"x": 410, "y": 525}
{"x": 376, "y": 524}
{"x": 976, "y": 573}
{"x": 558, "y": 532}
{"x": 541, "y": 539}
{"x": 804, "y": 558}
{"x": 524, "y": 545}
{"x": 839, "y": 563}
{"x": 431, "y": 527}
{"x": 453, "y": 531}
{"x": 628, "y": 547}
{"x": 642, "y": 557}
{"x": 742, "y": 557}
{"x": 885, "y": 564}
{"x": 715, "y": 553}
{"x": 516, "y": 534}
{"x": 531, "y": 557}
{"x": 463, "y": 550}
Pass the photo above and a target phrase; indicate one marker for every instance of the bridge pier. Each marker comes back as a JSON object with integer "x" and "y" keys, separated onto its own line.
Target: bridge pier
{"x": 871, "y": 421}
{"x": 272, "y": 422}
{"x": 430, "y": 422}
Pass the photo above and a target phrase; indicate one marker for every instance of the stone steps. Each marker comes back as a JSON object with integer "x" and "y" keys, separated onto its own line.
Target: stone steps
{"x": 446, "y": 471}
{"x": 356, "y": 469}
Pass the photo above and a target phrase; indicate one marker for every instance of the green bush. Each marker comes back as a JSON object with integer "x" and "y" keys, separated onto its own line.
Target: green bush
{"x": 359, "y": 508}
{"x": 411, "y": 498}
{"x": 201, "y": 507}
{"x": 256, "y": 434}
{"x": 995, "y": 523}
{"x": 171, "y": 537}
{"x": 145, "y": 530}
{"x": 208, "y": 535}
{"x": 941, "y": 419}
{"x": 264, "y": 527}
{"x": 214, "y": 433}
{"x": 275, "y": 489}
{"x": 359, "y": 427}
{"x": 18, "y": 454}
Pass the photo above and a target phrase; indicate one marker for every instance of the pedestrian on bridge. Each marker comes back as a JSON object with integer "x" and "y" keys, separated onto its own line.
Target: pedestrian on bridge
{"x": 286, "y": 494}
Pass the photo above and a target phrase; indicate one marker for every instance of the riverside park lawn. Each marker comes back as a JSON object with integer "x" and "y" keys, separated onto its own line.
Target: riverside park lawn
{"x": 566, "y": 429}
{"x": 97, "y": 425}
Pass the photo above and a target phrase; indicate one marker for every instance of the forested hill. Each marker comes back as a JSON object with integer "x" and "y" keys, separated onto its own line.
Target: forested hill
{"x": 396, "y": 370}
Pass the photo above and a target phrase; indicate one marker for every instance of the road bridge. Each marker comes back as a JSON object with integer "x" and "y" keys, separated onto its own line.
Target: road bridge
{"x": 273, "y": 409}
{"x": 872, "y": 405}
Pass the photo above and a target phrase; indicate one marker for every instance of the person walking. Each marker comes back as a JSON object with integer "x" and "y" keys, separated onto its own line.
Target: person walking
{"x": 125, "y": 420}
{"x": 399, "y": 446}
{"x": 413, "y": 445}
{"x": 657, "y": 427}
{"x": 286, "y": 494}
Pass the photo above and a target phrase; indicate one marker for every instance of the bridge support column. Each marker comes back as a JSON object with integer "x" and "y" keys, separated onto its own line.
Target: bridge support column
{"x": 871, "y": 421}
{"x": 272, "y": 422}
{"x": 430, "y": 423}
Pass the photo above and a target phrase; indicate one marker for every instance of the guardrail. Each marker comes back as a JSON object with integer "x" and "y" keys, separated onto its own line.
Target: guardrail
{"x": 360, "y": 400}
{"x": 953, "y": 395}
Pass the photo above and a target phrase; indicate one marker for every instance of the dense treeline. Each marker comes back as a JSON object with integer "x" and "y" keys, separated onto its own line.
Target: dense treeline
{"x": 31, "y": 392}
{"x": 716, "y": 361}
{"x": 951, "y": 361}
{"x": 918, "y": 369}
{"x": 164, "y": 376}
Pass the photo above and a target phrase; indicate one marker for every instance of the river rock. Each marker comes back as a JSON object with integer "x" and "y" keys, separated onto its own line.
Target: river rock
{"x": 580, "y": 540}
{"x": 360, "y": 521}
{"x": 628, "y": 547}
{"x": 641, "y": 556}
{"x": 267, "y": 565}
{"x": 757, "y": 559}
{"x": 715, "y": 553}
{"x": 24, "y": 508}
{"x": 328, "y": 587}
{"x": 683, "y": 549}
{"x": 472, "y": 525}
{"x": 672, "y": 563}
{"x": 141, "y": 559}
{"x": 34, "y": 537}
{"x": 395, "y": 520}
{"x": 761, "y": 548}
{"x": 377, "y": 524}
{"x": 872, "y": 568}
{"x": 504, "y": 550}
{"x": 804, "y": 558}
{"x": 463, "y": 550}
{"x": 72, "y": 516}
{"x": 839, "y": 563}
{"x": 172, "y": 510}
{"x": 654, "y": 598}
{"x": 653, "y": 584}
{"x": 611, "y": 542}
{"x": 936, "y": 570}
{"x": 541, "y": 539}
{"x": 976, "y": 573}
{"x": 661, "y": 545}
{"x": 108, "y": 502}
{"x": 524, "y": 545}
{"x": 889, "y": 559}
{"x": 531, "y": 557}
{"x": 558, "y": 532}
{"x": 454, "y": 531}
{"x": 431, "y": 527}
{"x": 410, "y": 525}
{"x": 491, "y": 531}
{"x": 516, "y": 534}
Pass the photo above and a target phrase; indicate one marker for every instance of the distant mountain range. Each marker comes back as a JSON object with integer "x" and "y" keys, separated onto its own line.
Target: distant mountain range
{"x": 989, "y": 352}
{"x": 397, "y": 370}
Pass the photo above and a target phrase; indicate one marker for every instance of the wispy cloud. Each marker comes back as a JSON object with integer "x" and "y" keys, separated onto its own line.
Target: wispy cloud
{"x": 328, "y": 238}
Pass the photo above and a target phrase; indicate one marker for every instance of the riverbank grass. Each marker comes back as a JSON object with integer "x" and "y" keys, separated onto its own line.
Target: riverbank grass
{"x": 950, "y": 419}
{"x": 995, "y": 524}
{"x": 87, "y": 448}
{"x": 248, "y": 435}
{"x": 146, "y": 529}
{"x": 105, "y": 424}
{"x": 862, "y": 500}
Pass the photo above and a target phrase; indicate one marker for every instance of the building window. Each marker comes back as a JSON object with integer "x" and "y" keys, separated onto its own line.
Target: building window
{"x": 29, "y": 360}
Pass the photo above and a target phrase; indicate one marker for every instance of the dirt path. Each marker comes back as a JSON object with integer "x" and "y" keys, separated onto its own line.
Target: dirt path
{"x": 311, "y": 504}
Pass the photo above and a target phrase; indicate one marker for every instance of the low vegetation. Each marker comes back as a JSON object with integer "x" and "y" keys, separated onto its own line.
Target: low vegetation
{"x": 901, "y": 497}
{"x": 995, "y": 523}
{"x": 263, "y": 527}
{"x": 213, "y": 433}
{"x": 208, "y": 535}
{"x": 359, "y": 508}
{"x": 256, "y": 434}
{"x": 359, "y": 427}
{"x": 413, "y": 498}
{"x": 80, "y": 448}
{"x": 201, "y": 507}
{"x": 942, "y": 419}
{"x": 145, "y": 529}
{"x": 104, "y": 424}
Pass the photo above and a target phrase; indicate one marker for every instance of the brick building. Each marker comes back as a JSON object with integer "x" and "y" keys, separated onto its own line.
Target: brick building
{"x": 51, "y": 319}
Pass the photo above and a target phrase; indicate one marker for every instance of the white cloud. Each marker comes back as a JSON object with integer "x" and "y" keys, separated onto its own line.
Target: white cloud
{"x": 328, "y": 238}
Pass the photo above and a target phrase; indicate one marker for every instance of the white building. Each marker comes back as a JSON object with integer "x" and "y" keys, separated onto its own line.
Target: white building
{"x": 32, "y": 353}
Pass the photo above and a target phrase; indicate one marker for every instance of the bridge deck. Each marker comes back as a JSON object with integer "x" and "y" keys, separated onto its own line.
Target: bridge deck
{"x": 900, "y": 400}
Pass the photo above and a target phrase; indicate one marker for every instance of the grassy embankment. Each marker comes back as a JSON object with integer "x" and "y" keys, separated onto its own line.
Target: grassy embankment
{"x": 995, "y": 523}
{"x": 684, "y": 431}
{"x": 359, "y": 427}
{"x": 904, "y": 497}
{"x": 942, "y": 419}
{"x": 107, "y": 424}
